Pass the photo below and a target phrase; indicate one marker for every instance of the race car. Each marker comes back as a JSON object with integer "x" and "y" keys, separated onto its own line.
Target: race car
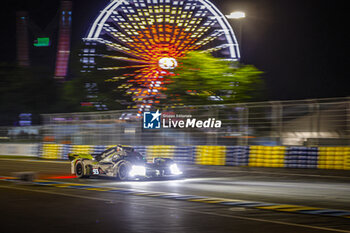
{"x": 123, "y": 163}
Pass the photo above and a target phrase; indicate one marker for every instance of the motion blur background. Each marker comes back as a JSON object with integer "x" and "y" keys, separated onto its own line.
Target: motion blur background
{"x": 300, "y": 47}
{"x": 288, "y": 144}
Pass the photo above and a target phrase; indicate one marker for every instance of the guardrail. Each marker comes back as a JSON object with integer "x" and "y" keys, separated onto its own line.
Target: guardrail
{"x": 252, "y": 156}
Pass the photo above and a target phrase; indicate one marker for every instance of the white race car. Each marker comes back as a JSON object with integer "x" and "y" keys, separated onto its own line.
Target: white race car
{"x": 123, "y": 163}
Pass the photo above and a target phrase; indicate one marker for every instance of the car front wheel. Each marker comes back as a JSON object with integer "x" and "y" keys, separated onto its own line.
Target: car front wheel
{"x": 124, "y": 169}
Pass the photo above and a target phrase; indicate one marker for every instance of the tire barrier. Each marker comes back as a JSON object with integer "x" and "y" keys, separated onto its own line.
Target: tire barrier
{"x": 99, "y": 149}
{"x": 267, "y": 156}
{"x": 185, "y": 154}
{"x": 210, "y": 155}
{"x": 159, "y": 152}
{"x": 52, "y": 151}
{"x": 252, "y": 156}
{"x": 301, "y": 157}
{"x": 237, "y": 155}
{"x": 78, "y": 149}
{"x": 334, "y": 158}
{"x": 65, "y": 150}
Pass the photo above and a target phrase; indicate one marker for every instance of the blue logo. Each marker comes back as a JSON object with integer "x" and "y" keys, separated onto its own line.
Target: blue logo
{"x": 151, "y": 120}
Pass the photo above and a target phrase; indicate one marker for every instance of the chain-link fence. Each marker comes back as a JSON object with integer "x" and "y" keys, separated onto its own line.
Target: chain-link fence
{"x": 305, "y": 122}
{"x": 18, "y": 134}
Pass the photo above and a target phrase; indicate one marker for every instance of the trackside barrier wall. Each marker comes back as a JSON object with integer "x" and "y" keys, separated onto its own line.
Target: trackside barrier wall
{"x": 334, "y": 158}
{"x": 237, "y": 155}
{"x": 210, "y": 155}
{"x": 252, "y": 156}
{"x": 301, "y": 157}
{"x": 160, "y": 152}
{"x": 17, "y": 149}
{"x": 267, "y": 156}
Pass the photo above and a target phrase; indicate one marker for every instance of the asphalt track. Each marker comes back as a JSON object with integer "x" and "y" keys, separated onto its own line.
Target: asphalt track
{"x": 206, "y": 199}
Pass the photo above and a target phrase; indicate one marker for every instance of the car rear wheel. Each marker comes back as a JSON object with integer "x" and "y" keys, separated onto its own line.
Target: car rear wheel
{"x": 79, "y": 169}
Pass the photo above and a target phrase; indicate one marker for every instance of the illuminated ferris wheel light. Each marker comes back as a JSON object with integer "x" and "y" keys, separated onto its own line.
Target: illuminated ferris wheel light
{"x": 236, "y": 15}
{"x": 168, "y": 63}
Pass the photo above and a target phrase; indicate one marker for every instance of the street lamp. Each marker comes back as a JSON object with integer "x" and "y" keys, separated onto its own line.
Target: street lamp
{"x": 238, "y": 15}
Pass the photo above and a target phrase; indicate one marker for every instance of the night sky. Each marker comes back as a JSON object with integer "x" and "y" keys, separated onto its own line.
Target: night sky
{"x": 301, "y": 45}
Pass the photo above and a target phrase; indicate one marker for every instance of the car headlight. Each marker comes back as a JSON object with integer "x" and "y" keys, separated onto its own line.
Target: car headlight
{"x": 138, "y": 171}
{"x": 175, "y": 170}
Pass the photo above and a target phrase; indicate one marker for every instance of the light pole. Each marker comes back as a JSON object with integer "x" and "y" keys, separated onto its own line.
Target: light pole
{"x": 238, "y": 16}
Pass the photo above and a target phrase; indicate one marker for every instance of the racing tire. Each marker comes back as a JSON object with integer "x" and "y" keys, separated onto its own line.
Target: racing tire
{"x": 123, "y": 170}
{"x": 164, "y": 163}
{"x": 79, "y": 169}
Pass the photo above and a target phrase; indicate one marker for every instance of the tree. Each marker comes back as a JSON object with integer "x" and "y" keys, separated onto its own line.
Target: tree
{"x": 203, "y": 79}
{"x": 93, "y": 88}
{"x": 26, "y": 90}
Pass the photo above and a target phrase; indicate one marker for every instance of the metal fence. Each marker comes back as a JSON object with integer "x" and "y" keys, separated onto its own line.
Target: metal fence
{"x": 313, "y": 122}
{"x": 18, "y": 134}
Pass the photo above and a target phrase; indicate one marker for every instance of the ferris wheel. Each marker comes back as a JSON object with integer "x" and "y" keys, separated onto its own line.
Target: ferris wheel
{"x": 151, "y": 35}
